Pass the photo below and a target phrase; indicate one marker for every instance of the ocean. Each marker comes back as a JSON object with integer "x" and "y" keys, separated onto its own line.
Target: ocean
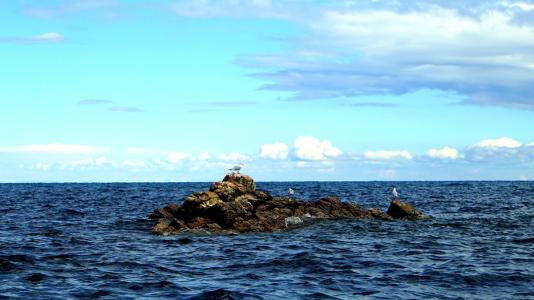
{"x": 93, "y": 240}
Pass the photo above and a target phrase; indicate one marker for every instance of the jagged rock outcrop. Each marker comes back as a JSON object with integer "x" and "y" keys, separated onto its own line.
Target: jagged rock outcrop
{"x": 403, "y": 210}
{"x": 234, "y": 205}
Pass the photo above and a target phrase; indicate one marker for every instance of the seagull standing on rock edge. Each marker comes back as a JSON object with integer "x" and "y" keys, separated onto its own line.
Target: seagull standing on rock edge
{"x": 395, "y": 194}
{"x": 236, "y": 168}
{"x": 290, "y": 192}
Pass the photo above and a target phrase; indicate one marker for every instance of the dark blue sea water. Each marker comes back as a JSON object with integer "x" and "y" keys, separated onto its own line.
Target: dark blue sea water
{"x": 93, "y": 240}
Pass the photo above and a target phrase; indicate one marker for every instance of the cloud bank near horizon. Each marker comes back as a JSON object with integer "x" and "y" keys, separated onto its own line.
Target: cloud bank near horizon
{"x": 307, "y": 153}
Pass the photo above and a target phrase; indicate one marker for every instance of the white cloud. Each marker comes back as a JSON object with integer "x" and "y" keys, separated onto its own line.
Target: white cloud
{"x": 48, "y": 37}
{"x": 311, "y": 148}
{"x": 101, "y": 161}
{"x": 54, "y": 149}
{"x": 42, "y": 166}
{"x": 327, "y": 163}
{"x": 521, "y": 5}
{"x": 485, "y": 56}
{"x": 274, "y": 151}
{"x": 503, "y": 142}
{"x": 445, "y": 152}
{"x": 234, "y": 157}
{"x": 203, "y": 156}
{"x": 90, "y": 162}
{"x": 386, "y": 155}
{"x": 227, "y": 8}
{"x": 176, "y": 157}
{"x": 502, "y": 149}
{"x": 302, "y": 164}
{"x": 133, "y": 164}
{"x": 141, "y": 150}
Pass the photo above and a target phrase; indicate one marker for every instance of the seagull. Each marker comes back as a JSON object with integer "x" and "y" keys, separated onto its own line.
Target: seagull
{"x": 290, "y": 192}
{"x": 395, "y": 194}
{"x": 236, "y": 168}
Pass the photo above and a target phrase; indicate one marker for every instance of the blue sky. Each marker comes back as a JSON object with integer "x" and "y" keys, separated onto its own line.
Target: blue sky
{"x": 109, "y": 90}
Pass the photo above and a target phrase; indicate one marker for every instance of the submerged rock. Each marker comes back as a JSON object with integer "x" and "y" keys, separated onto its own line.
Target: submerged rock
{"x": 234, "y": 205}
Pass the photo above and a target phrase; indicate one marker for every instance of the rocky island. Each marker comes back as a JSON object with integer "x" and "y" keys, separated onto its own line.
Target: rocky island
{"x": 234, "y": 205}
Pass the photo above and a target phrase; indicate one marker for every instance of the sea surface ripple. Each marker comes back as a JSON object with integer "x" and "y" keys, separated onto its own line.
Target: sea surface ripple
{"x": 94, "y": 241}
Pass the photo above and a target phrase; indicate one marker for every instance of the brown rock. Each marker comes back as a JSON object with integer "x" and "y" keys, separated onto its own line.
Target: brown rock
{"x": 227, "y": 190}
{"x": 168, "y": 226}
{"x": 251, "y": 225}
{"x": 199, "y": 223}
{"x": 200, "y": 201}
{"x": 241, "y": 179}
{"x": 234, "y": 205}
{"x": 162, "y": 228}
{"x": 226, "y": 213}
{"x": 403, "y": 210}
{"x": 169, "y": 211}
{"x": 378, "y": 214}
{"x": 263, "y": 195}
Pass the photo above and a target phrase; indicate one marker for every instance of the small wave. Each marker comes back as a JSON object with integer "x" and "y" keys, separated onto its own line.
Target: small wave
{"x": 366, "y": 293}
{"x": 51, "y": 232}
{"x": 59, "y": 257}
{"x": 523, "y": 241}
{"x": 94, "y": 295}
{"x": 319, "y": 295}
{"x": 477, "y": 246}
{"x": 35, "y": 277}
{"x": 184, "y": 241}
{"x": 163, "y": 284}
{"x": 7, "y": 266}
{"x": 73, "y": 212}
{"x": 223, "y": 294}
{"x": 18, "y": 258}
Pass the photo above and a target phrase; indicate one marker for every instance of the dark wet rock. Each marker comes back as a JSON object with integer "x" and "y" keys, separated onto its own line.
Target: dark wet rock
{"x": 234, "y": 205}
{"x": 166, "y": 212}
{"x": 226, "y": 213}
{"x": 402, "y": 210}
{"x": 378, "y": 214}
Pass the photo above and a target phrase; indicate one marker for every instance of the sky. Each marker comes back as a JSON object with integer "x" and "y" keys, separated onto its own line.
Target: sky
{"x": 129, "y": 91}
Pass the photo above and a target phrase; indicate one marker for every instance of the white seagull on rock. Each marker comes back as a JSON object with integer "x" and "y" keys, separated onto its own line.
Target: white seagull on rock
{"x": 290, "y": 192}
{"x": 395, "y": 194}
{"x": 236, "y": 168}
